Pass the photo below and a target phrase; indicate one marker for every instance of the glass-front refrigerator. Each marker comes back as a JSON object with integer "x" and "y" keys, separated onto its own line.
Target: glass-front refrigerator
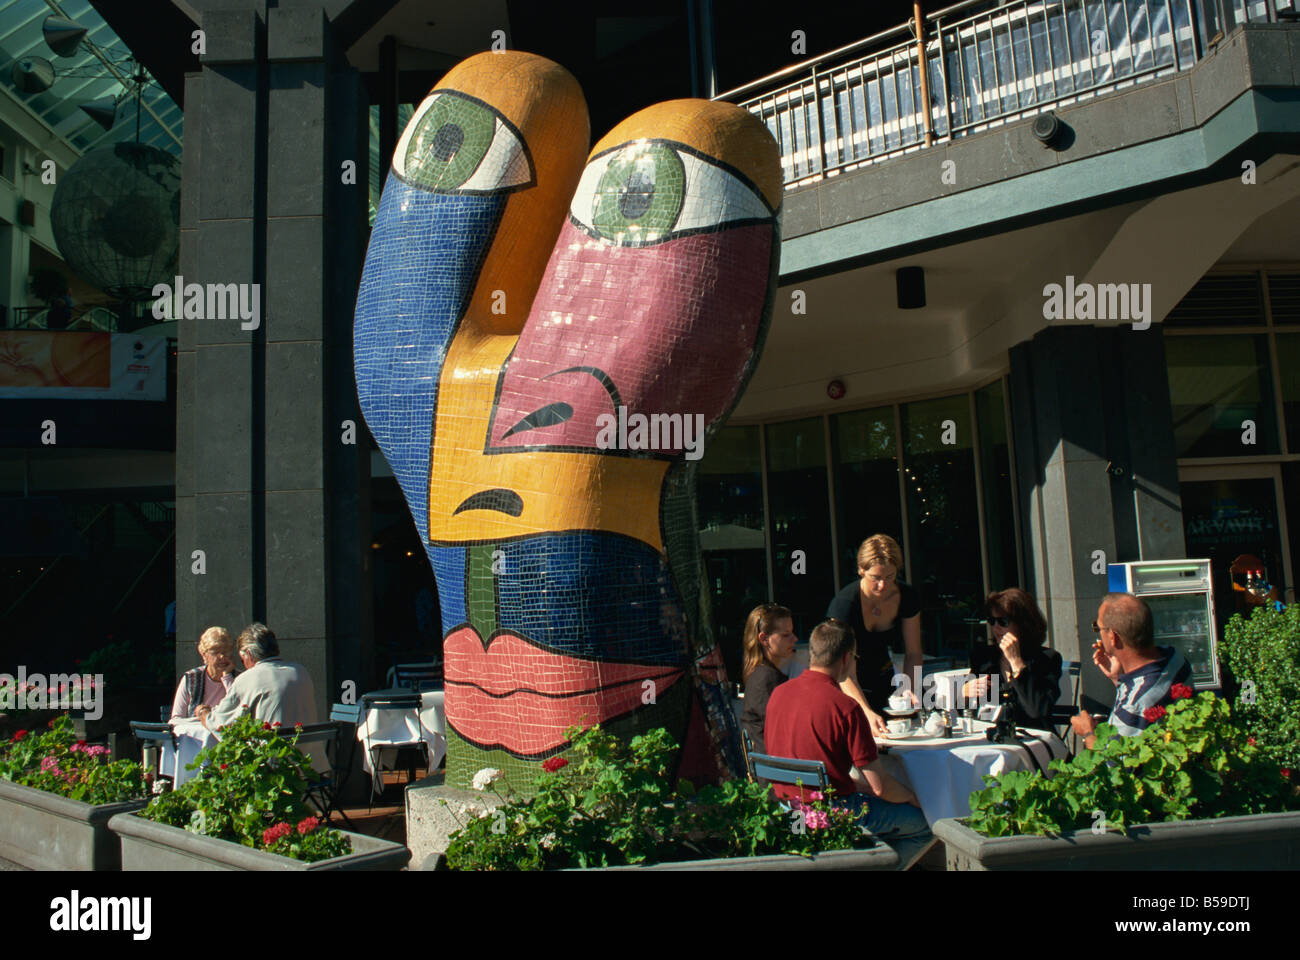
{"x": 1180, "y": 594}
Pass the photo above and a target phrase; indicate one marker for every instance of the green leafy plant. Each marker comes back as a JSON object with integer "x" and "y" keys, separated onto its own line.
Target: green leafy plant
{"x": 609, "y": 803}
{"x": 57, "y": 762}
{"x": 248, "y": 788}
{"x": 1192, "y": 762}
{"x": 1263, "y": 653}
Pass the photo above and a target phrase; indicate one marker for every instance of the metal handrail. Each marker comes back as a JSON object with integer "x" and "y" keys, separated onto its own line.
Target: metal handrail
{"x": 1001, "y": 62}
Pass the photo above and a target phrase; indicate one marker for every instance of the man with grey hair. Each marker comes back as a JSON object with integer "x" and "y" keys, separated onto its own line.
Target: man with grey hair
{"x": 272, "y": 690}
{"x": 1144, "y": 674}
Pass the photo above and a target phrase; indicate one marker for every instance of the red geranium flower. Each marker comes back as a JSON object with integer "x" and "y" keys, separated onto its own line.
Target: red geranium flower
{"x": 224, "y": 765}
{"x": 277, "y": 724}
{"x": 1251, "y": 741}
{"x": 1286, "y": 774}
{"x": 308, "y": 825}
{"x": 297, "y": 726}
{"x": 21, "y": 734}
{"x": 51, "y": 723}
{"x": 1152, "y": 714}
{"x": 1180, "y": 691}
{"x": 265, "y": 725}
{"x": 553, "y": 764}
{"x": 272, "y": 834}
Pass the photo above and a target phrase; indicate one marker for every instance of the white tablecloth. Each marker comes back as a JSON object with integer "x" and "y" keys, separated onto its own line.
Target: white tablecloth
{"x": 381, "y": 731}
{"x": 191, "y": 737}
{"x": 943, "y": 773}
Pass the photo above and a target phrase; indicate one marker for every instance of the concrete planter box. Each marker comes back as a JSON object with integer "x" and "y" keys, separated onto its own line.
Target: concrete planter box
{"x": 156, "y": 846}
{"x": 1267, "y": 841}
{"x": 43, "y": 831}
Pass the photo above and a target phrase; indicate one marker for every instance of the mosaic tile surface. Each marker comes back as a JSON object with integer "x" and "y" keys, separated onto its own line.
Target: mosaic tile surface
{"x": 543, "y": 342}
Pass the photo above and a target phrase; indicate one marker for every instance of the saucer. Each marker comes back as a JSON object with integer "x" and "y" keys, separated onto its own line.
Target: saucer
{"x": 909, "y": 712}
{"x": 911, "y": 732}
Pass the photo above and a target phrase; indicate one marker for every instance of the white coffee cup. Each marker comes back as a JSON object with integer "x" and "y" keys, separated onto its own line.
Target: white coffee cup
{"x": 900, "y": 702}
{"x": 898, "y": 728}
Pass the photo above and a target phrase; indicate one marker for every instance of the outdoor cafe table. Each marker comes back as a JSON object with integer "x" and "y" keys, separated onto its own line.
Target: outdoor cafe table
{"x": 392, "y": 728}
{"x": 943, "y": 772}
{"x": 191, "y": 737}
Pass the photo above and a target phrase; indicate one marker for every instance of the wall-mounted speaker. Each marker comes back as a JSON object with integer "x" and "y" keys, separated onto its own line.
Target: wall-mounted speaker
{"x": 911, "y": 287}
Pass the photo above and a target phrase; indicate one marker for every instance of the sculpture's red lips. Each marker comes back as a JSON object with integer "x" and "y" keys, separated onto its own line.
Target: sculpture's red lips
{"x": 518, "y": 697}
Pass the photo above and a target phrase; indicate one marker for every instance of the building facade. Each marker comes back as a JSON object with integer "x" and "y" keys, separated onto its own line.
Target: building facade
{"x": 1039, "y": 308}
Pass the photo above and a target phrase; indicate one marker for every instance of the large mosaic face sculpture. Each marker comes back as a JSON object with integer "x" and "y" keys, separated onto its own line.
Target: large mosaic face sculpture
{"x": 542, "y": 345}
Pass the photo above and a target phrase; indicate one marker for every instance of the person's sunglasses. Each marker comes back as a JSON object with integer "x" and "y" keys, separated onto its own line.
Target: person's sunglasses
{"x": 1000, "y": 621}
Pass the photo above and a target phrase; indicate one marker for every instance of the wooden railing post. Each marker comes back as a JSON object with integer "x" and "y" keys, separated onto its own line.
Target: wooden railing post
{"x": 918, "y": 22}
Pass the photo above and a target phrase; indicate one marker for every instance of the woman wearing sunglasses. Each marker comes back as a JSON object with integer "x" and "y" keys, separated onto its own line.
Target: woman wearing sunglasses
{"x": 1018, "y": 658}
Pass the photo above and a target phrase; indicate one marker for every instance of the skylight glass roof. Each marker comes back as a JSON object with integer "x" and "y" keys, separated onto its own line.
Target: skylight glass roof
{"x": 83, "y": 78}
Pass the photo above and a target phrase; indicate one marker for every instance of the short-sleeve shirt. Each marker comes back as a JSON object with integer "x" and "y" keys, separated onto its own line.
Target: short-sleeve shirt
{"x": 808, "y": 718}
{"x": 875, "y": 668}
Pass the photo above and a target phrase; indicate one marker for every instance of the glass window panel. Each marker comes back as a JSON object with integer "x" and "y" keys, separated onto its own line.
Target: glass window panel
{"x": 1220, "y": 300}
{"x": 729, "y": 494}
{"x": 943, "y": 519}
{"x": 995, "y": 470}
{"x": 1216, "y": 383}
{"x": 1288, "y": 365}
{"x": 1227, "y": 519}
{"x": 866, "y": 481}
{"x": 800, "y": 520}
{"x": 1284, "y": 297}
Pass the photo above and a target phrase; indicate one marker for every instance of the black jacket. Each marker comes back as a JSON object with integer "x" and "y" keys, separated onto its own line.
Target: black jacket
{"x": 1036, "y": 689}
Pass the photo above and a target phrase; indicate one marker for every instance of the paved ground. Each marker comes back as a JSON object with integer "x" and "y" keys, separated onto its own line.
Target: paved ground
{"x": 8, "y": 865}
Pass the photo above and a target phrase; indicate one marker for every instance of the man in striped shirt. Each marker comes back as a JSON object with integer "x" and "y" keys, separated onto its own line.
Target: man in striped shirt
{"x": 1126, "y": 653}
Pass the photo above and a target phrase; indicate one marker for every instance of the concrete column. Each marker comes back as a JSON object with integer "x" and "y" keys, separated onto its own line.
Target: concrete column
{"x": 265, "y": 484}
{"x": 1097, "y": 471}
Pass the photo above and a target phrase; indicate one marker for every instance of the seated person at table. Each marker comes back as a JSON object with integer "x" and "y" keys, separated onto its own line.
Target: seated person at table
{"x": 809, "y": 718}
{"x": 884, "y": 614}
{"x": 271, "y": 689}
{"x": 1144, "y": 674}
{"x": 768, "y": 649}
{"x": 206, "y": 685}
{"x": 1017, "y": 656}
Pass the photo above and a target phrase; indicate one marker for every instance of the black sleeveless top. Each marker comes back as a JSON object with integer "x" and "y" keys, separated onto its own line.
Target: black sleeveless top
{"x": 875, "y": 668}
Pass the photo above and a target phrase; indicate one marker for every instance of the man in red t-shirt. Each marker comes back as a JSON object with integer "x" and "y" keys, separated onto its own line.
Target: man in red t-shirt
{"x": 808, "y": 718}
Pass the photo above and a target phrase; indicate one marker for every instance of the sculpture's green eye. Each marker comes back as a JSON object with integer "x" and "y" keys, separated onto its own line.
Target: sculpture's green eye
{"x": 640, "y": 193}
{"x": 458, "y": 145}
{"x": 649, "y": 191}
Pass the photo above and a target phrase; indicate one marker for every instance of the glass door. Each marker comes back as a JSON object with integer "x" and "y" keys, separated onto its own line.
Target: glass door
{"x": 1235, "y": 516}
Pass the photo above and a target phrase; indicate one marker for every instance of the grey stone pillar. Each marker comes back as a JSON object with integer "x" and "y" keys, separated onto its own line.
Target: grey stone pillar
{"x": 265, "y": 485}
{"x": 1097, "y": 471}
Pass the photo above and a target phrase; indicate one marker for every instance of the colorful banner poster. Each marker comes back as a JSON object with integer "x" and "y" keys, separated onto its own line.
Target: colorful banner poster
{"x": 42, "y": 364}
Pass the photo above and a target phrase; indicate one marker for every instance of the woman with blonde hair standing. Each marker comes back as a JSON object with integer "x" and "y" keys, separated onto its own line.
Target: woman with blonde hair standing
{"x": 884, "y": 614}
{"x": 768, "y": 649}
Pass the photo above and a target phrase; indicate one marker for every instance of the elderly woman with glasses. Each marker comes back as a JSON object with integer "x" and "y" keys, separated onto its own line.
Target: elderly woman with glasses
{"x": 1017, "y": 657}
{"x": 208, "y": 684}
{"x": 884, "y": 614}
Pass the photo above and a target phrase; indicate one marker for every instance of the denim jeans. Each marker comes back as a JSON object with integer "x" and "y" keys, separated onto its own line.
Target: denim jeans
{"x": 900, "y": 825}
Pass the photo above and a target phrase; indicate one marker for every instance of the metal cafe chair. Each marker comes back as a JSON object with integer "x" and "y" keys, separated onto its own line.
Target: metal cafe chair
{"x": 152, "y": 737}
{"x": 809, "y": 773}
{"x": 322, "y": 792}
{"x": 1067, "y": 706}
{"x": 406, "y": 703}
{"x": 418, "y": 676}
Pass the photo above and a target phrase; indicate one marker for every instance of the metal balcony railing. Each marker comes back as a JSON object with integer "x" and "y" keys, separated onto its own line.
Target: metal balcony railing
{"x": 864, "y": 102}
